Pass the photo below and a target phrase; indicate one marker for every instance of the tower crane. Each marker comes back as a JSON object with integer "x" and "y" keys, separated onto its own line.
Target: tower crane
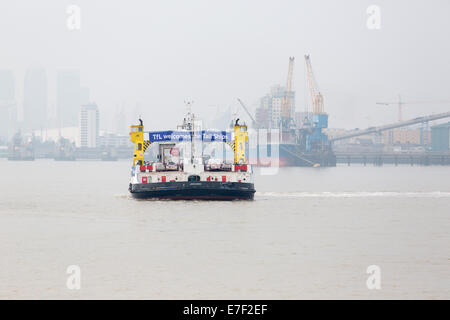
{"x": 400, "y": 105}
{"x": 314, "y": 93}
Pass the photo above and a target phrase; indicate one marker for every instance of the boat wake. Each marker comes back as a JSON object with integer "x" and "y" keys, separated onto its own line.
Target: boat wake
{"x": 354, "y": 194}
{"x": 123, "y": 196}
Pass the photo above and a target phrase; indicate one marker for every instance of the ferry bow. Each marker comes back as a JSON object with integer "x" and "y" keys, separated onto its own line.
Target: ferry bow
{"x": 180, "y": 170}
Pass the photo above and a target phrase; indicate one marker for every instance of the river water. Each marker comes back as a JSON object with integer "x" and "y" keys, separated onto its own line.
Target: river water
{"x": 310, "y": 233}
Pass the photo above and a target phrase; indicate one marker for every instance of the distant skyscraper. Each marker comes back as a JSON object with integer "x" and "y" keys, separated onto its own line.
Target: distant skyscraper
{"x": 7, "y": 88}
{"x": 222, "y": 119}
{"x": 7, "y": 104}
{"x": 121, "y": 122}
{"x": 68, "y": 98}
{"x": 35, "y": 99}
{"x": 84, "y": 95}
{"x": 269, "y": 111}
{"x": 89, "y": 126}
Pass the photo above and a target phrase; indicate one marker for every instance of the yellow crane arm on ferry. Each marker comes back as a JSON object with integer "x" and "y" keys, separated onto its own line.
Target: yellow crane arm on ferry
{"x": 137, "y": 137}
{"x": 240, "y": 140}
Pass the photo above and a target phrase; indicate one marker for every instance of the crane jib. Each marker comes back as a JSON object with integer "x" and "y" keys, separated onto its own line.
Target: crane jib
{"x": 204, "y": 135}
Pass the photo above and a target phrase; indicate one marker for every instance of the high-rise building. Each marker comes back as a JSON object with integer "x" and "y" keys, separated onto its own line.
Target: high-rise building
{"x": 269, "y": 111}
{"x": 35, "y": 99}
{"x": 7, "y": 105}
{"x": 262, "y": 117}
{"x": 7, "y": 88}
{"x": 89, "y": 126}
{"x": 221, "y": 119}
{"x": 68, "y": 98}
{"x": 84, "y": 95}
{"x": 121, "y": 122}
{"x": 263, "y": 112}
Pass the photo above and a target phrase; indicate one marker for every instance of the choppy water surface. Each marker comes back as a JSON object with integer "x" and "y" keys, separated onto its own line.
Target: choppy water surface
{"x": 310, "y": 233}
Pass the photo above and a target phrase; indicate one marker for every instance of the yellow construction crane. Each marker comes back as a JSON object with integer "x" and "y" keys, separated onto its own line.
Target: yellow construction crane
{"x": 315, "y": 95}
{"x": 286, "y": 104}
{"x": 400, "y": 104}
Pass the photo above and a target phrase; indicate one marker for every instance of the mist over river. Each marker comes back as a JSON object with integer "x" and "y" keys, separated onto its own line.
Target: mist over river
{"x": 309, "y": 233}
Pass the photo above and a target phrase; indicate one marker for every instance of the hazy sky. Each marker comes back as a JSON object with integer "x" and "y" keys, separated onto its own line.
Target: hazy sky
{"x": 158, "y": 53}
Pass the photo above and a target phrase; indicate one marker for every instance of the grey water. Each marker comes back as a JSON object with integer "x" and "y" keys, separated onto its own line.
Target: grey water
{"x": 310, "y": 233}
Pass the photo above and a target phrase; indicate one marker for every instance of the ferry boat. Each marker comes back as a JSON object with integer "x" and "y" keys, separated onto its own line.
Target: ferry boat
{"x": 181, "y": 171}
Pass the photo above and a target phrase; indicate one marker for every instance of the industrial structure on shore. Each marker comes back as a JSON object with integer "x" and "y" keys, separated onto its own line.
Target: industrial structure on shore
{"x": 400, "y": 145}
{"x": 302, "y": 140}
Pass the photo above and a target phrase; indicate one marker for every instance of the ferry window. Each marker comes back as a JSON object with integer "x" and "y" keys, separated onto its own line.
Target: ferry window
{"x": 140, "y": 129}
{"x": 243, "y": 128}
{"x": 194, "y": 178}
{"x": 139, "y": 146}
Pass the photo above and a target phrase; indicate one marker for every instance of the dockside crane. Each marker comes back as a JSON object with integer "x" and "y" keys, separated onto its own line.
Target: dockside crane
{"x": 317, "y": 140}
{"x": 286, "y": 107}
{"x": 314, "y": 93}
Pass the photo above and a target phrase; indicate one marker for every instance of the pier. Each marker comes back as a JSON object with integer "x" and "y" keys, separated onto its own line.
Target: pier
{"x": 394, "y": 158}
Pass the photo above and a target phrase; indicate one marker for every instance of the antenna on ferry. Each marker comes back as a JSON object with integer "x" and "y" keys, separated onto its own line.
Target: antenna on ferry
{"x": 188, "y": 104}
{"x": 189, "y": 125}
{"x": 234, "y": 116}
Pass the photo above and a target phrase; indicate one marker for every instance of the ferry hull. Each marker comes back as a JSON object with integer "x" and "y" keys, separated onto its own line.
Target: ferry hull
{"x": 199, "y": 190}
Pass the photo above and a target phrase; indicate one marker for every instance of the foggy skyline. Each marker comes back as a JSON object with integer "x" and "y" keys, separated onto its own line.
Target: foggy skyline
{"x": 217, "y": 158}
{"x": 157, "y": 54}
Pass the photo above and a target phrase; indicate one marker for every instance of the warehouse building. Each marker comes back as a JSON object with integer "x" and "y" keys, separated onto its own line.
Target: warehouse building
{"x": 440, "y": 137}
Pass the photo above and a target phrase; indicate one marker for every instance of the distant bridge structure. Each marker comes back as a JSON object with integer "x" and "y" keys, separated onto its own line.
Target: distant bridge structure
{"x": 379, "y": 129}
